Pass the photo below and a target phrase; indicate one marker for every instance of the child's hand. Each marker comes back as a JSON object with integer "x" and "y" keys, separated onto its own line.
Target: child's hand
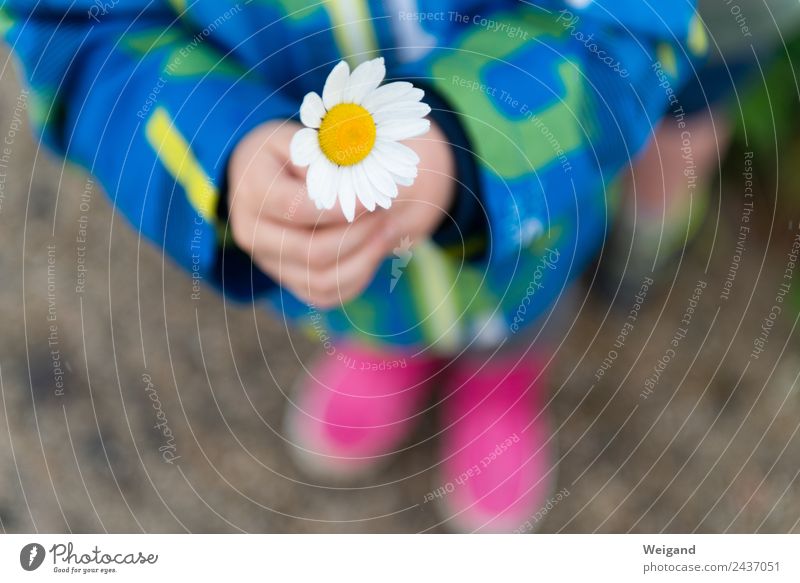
{"x": 318, "y": 255}
{"x": 419, "y": 209}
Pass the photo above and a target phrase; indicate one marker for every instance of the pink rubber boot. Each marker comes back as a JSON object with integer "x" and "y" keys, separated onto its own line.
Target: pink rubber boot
{"x": 355, "y": 408}
{"x": 497, "y": 469}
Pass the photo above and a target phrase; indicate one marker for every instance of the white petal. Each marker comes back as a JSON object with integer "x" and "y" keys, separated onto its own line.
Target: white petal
{"x": 333, "y": 193}
{"x": 304, "y": 148}
{"x": 407, "y": 99}
{"x": 364, "y": 190}
{"x": 390, "y": 93}
{"x": 402, "y": 129}
{"x": 401, "y": 103}
{"x": 335, "y": 84}
{"x": 403, "y": 180}
{"x": 379, "y": 177}
{"x": 393, "y": 166}
{"x": 364, "y": 80}
{"x": 312, "y": 110}
{"x": 399, "y": 152}
{"x": 347, "y": 193}
{"x": 383, "y": 201}
{"x": 321, "y": 180}
{"x": 411, "y": 111}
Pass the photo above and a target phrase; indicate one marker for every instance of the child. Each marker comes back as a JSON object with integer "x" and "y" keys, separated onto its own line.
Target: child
{"x": 184, "y": 111}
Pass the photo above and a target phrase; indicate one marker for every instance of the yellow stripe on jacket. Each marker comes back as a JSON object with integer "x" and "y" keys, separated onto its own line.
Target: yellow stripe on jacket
{"x": 175, "y": 153}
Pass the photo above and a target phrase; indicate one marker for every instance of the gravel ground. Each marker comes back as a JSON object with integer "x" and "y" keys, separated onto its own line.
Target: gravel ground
{"x": 711, "y": 446}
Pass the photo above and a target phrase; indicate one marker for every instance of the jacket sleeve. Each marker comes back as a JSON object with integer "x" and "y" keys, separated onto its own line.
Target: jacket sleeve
{"x": 151, "y": 108}
{"x": 555, "y": 98}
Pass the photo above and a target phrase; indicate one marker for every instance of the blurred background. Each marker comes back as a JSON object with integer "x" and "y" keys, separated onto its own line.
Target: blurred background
{"x": 127, "y": 408}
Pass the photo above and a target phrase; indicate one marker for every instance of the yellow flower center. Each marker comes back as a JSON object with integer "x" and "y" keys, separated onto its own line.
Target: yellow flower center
{"x": 347, "y": 134}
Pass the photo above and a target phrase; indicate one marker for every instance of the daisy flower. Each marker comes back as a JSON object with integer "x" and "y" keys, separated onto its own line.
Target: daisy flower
{"x": 351, "y": 139}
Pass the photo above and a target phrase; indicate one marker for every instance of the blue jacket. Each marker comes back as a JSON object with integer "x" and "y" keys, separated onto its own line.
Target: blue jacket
{"x": 545, "y": 101}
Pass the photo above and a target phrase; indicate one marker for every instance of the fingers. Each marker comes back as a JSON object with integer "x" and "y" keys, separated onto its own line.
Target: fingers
{"x": 264, "y": 182}
{"x": 287, "y": 201}
{"x": 337, "y": 282}
{"x": 320, "y": 247}
{"x": 301, "y": 210}
{"x": 315, "y": 253}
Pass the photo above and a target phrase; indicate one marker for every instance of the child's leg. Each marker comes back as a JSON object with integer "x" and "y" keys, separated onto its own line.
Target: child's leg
{"x": 498, "y": 469}
{"x": 354, "y": 407}
{"x": 666, "y": 197}
{"x": 662, "y": 179}
{"x": 659, "y": 210}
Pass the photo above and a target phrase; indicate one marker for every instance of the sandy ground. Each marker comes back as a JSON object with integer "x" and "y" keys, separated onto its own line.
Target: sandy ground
{"x": 713, "y": 447}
